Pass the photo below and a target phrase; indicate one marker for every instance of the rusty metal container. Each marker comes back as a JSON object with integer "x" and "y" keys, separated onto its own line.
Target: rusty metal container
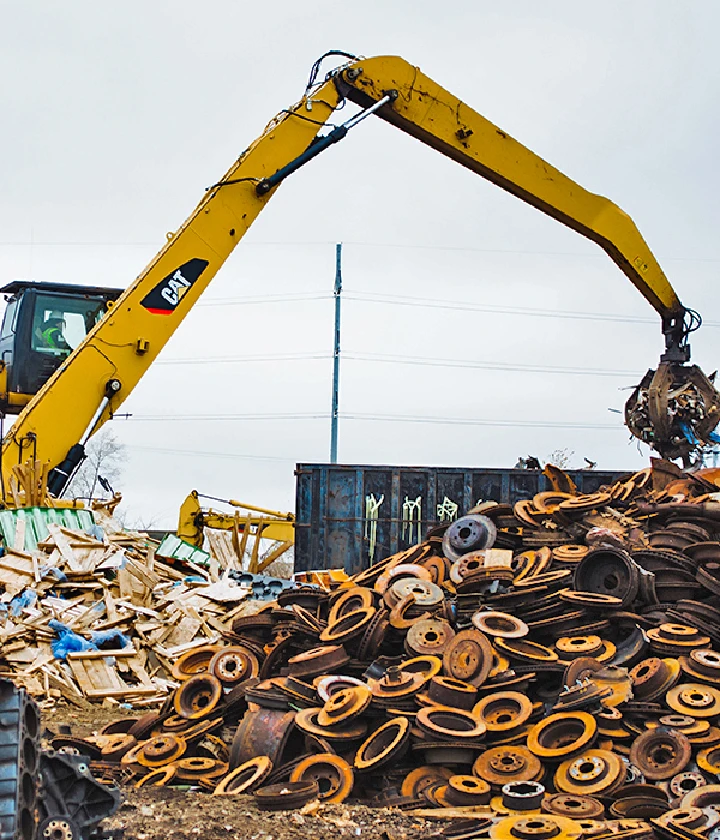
{"x": 341, "y": 522}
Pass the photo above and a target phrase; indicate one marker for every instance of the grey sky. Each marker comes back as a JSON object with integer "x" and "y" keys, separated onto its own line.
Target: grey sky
{"x": 116, "y": 117}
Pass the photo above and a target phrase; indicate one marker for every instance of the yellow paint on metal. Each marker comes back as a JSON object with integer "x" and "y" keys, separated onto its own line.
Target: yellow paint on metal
{"x": 129, "y": 338}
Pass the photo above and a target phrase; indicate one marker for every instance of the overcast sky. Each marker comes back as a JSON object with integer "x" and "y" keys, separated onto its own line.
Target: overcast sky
{"x": 115, "y": 117}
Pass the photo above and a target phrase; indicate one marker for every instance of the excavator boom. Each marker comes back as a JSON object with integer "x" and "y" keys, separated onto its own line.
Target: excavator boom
{"x": 95, "y": 379}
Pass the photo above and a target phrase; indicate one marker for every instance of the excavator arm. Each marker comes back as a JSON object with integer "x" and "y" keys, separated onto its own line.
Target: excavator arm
{"x": 99, "y": 375}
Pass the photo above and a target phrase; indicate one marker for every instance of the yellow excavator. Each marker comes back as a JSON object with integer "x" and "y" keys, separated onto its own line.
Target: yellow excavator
{"x": 71, "y": 355}
{"x": 246, "y": 521}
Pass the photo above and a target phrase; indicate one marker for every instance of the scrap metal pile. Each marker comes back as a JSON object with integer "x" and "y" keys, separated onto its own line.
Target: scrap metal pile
{"x": 555, "y": 666}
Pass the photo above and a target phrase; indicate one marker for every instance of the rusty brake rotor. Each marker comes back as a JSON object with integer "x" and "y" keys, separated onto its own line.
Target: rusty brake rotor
{"x": 561, "y": 735}
{"x": 468, "y": 657}
{"x": 660, "y": 753}
{"x": 333, "y": 775}
{"x": 503, "y": 711}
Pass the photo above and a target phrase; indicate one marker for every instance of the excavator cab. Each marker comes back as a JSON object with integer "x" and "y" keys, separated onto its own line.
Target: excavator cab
{"x": 42, "y": 324}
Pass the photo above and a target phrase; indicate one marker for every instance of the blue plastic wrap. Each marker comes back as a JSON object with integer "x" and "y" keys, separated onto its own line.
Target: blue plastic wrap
{"x": 67, "y": 641}
{"x": 25, "y": 599}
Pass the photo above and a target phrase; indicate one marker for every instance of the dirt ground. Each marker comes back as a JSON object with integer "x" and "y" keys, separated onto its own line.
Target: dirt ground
{"x": 161, "y": 813}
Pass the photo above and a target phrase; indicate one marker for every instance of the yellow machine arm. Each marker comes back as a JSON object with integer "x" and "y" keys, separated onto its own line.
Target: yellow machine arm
{"x": 194, "y": 518}
{"x": 265, "y": 524}
{"x": 100, "y": 374}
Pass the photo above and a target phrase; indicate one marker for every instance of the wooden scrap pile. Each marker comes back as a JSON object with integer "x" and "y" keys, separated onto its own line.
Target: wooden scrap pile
{"x": 114, "y": 583}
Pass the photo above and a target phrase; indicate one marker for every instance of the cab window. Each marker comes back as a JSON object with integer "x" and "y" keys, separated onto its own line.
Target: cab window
{"x": 61, "y": 323}
{"x": 8, "y": 324}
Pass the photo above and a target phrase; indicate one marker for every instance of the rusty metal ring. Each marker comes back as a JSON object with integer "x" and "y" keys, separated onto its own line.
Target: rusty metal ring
{"x": 562, "y": 734}
{"x": 157, "y": 778}
{"x": 429, "y": 636}
{"x": 396, "y": 683}
{"x": 195, "y": 661}
{"x": 571, "y": 553}
{"x": 349, "y": 626}
{"x": 199, "y": 767}
{"x": 467, "y": 790}
{"x": 334, "y": 776}
{"x": 345, "y": 705}
{"x": 500, "y": 765}
{"x": 426, "y": 594}
{"x": 686, "y": 782}
{"x": 245, "y": 778}
{"x": 165, "y": 749}
{"x": 286, "y": 796}
{"x": 398, "y": 614}
{"x": 703, "y": 665}
{"x": 575, "y": 806}
{"x": 307, "y": 721}
{"x": 706, "y": 797}
{"x": 389, "y": 741}
{"x": 115, "y": 747}
{"x": 525, "y": 651}
{"x": 536, "y": 827}
{"x": 355, "y": 598}
{"x": 494, "y": 623}
{"x": 472, "y": 532}
{"x": 318, "y": 662}
{"x": 413, "y": 570}
{"x": 573, "y": 646}
{"x": 595, "y": 771}
{"x": 609, "y": 571}
{"x": 175, "y": 723}
{"x": 202, "y": 727}
{"x": 445, "y": 691}
{"x": 446, "y": 722}
{"x": 522, "y": 796}
{"x": 234, "y": 665}
{"x": 694, "y": 699}
{"x": 327, "y": 686}
{"x": 436, "y": 567}
{"x": 709, "y": 760}
{"x": 420, "y": 778}
{"x": 590, "y": 599}
{"x": 683, "y": 723}
{"x": 469, "y": 657}
{"x": 660, "y": 753}
{"x": 549, "y": 500}
{"x": 503, "y": 711}
{"x": 428, "y": 666}
{"x": 198, "y": 696}
{"x": 653, "y": 677}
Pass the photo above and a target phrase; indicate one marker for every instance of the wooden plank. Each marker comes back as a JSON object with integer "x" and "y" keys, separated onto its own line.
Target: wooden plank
{"x": 19, "y": 540}
{"x": 63, "y": 545}
{"x": 116, "y": 653}
{"x": 128, "y": 691}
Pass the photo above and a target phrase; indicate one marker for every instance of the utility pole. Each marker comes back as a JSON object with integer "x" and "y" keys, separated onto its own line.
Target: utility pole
{"x": 336, "y": 356}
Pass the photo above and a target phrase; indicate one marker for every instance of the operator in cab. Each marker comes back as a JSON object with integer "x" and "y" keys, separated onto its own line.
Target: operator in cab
{"x": 52, "y": 332}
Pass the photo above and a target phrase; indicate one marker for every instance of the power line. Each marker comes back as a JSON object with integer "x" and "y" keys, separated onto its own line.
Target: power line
{"x": 273, "y": 357}
{"x": 461, "y": 421}
{"x": 205, "y": 417}
{"x": 472, "y": 364}
{"x": 242, "y": 456}
{"x": 255, "y": 299}
{"x": 442, "y": 303}
{"x": 410, "y": 246}
{"x": 400, "y": 418}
